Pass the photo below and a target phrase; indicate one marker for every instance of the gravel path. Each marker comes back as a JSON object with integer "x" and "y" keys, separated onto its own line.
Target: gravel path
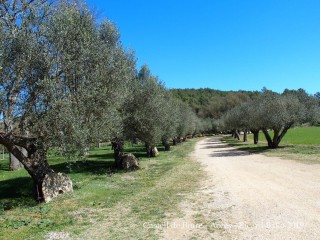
{"x": 249, "y": 196}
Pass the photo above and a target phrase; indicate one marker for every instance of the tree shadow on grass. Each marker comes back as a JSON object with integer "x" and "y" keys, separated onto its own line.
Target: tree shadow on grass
{"x": 4, "y": 165}
{"x": 16, "y": 192}
{"x": 84, "y": 166}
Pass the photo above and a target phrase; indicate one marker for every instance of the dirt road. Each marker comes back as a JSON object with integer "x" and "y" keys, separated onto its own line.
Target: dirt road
{"x": 249, "y": 196}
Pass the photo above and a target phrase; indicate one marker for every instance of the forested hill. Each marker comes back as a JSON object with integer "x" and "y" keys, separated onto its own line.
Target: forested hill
{"x": 212, "y": 103}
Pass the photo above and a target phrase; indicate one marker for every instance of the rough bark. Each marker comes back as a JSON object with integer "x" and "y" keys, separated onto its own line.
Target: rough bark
{"x": 174, "y": 142}
{"x": 268, "y": 138}
{"x": 152, "y": 151}
{"x": 255, "y": 135}
{"x": 117, "y": 146}
{"x": 278, "y": 135}
{"x": 166, "y": 145}
{"x": 14, "y": 163}
{"x": 129, "y": 162}
{"x": 236, "y": 134}
{"x": 32, "y": 153}
{"x": 55, "y": 184}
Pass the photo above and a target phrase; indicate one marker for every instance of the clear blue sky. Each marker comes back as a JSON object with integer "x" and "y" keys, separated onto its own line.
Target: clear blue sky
{"x": 223, "y": 44}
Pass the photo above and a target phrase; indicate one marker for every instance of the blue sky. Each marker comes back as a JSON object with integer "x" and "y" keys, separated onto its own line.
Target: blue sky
{"x": 223, "y": 44}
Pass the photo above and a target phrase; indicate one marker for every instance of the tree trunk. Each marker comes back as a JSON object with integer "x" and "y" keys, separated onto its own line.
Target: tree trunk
{"x": 236, "y": 134}
{"x": 275, "y": 140}
{"x": 255, "y": 136}
{"x": 177, "y": 140}
{"x": 284, "y": 131}
{"x": 166, "y": 145}
{"x": 245, "y": 135}
{"x": 118, "y": 150}
{"x": 14, "y": 163}
{"x": 152, "y": 151}
{"x": 268, "y": 138}
{"x": 32, "y": 154}
{"x": 278, "y": 135}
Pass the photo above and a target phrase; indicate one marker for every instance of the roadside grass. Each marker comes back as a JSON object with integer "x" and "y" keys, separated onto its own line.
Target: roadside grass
{"x": 298, "y": 135}
{"x": 105, "y": 204}
{"x": 300, "y": 144}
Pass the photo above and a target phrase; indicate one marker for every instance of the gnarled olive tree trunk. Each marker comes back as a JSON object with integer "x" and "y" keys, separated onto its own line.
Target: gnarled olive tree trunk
{"x": 166, "y": 144}
{"x": 33, "y": 157}
{"x": 14, "y": 163}
{"x": 277, "y": 137}
{"x": 152, "y": 151}
{"x": 117, "y": 146}
{"x": 255, "y": 135}
{"x": 236, "y": 134}
{"x": 32, "y": 153}
{"x": 122, "y": 160}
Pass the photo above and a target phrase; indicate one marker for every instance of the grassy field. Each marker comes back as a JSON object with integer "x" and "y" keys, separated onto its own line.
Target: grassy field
{"x": 104, "y": 204}
{"x": 300, "y": 144}
{"x": 299, "y": 135}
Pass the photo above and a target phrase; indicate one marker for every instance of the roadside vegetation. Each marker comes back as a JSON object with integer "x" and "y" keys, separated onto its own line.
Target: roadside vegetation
{"x": 298, "y": 136}
{"x": 105, "y": 203}
{"x": 67, "y": 85}
{"x": 300, "y": 144}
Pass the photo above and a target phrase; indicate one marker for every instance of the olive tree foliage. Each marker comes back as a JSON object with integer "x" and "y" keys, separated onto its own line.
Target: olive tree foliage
{"x": 311, "y": 104}
{"x": 94, "y": 71}
{"x": 186, "y": 120}
{"x": 21, "y": 59}
{"x": 243, "y": 117}
{"x": 278, "y": 112}
{"x": 145, "y": 111}
{"x": 63, "y": 80}
{"x": 232, "y": 121}
{"x": 170, "y": 120}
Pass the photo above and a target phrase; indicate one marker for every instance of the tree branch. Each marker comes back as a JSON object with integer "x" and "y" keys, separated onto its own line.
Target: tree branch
{"x": 8, "y": 139}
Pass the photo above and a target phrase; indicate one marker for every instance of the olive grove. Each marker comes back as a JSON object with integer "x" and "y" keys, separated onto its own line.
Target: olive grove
{"x": 67, "y": 83}
{"x": 273, "y": 111}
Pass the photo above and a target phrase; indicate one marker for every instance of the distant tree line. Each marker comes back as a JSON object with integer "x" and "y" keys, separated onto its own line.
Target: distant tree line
{"x": 242, "y": 111}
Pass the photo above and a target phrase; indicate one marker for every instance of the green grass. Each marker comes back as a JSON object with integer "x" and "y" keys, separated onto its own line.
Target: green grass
{"x": 104, "y": 204}
{"x": 301, "y": 144}
{"x": 4, "y": 156}
{"x": 299, "y": 135}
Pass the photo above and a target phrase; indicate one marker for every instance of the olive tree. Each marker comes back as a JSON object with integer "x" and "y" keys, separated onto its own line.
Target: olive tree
{"x": 170, "y": 121}
{"x": 21, "y": 58}
{"x": 231, "y": 121}
{"x": 278, "y": 112}
{"x": 95, "y": 71}
{"x": 64, "y": 78}
{"x": 186, "y": 121}
{"x": 145, "y": 111}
